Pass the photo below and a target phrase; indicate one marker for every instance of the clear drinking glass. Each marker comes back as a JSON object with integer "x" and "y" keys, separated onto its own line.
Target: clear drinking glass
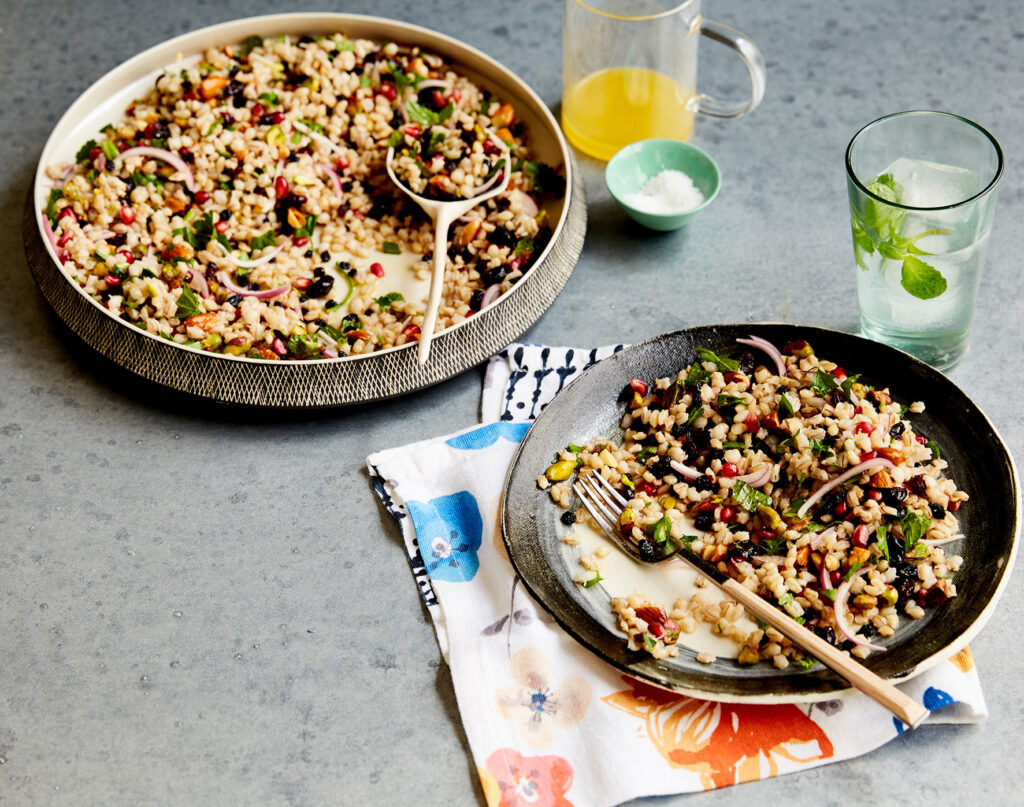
{"x": 629, "y": 72}
{"x": 922, "y": 189}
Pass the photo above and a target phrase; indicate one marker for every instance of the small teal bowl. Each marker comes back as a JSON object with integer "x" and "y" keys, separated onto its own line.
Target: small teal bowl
{"x": 630, "y": 169}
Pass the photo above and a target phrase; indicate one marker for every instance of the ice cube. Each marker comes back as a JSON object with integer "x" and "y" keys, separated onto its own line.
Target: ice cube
{"x": 927, "y": 184}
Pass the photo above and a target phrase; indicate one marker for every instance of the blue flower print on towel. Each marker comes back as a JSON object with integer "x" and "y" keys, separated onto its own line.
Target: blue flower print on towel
{"x": 488, "y": 435}
{"x": 936, "y": 698}
{"x": 448, "y": 531}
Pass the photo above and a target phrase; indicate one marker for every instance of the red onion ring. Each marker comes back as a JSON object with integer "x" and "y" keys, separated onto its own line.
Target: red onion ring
{"x": 267, "y": 258}
{"x": 269, "y": 294}
{"x": 778, "y": 560}
{"x": 769, "y": 348}
{"x": 434, "y": 83}
{"x": 684, "y": 471}
{"x": 198, "y": 282}
{"x": 330, "y": 352}
{"x": 490, "y": 295}
{"x": 335, "y": 179}
{"x": 49, "y": 234}
{"x": 839, "y": 609}
{"x": 168, "y": 157}
{"x": 758, "y": 478}
{"x": 818, "y": 537}
{"x": 856, "y": 470}
{"x": 319, "y": 138}
{"x": 524, "y": 200}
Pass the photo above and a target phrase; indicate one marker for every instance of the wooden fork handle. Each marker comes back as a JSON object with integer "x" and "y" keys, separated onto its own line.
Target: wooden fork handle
{"x": 903, "y": 706}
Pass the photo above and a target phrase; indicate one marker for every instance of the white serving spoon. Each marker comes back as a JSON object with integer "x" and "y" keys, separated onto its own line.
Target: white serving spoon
{"x": 443, "y": 214}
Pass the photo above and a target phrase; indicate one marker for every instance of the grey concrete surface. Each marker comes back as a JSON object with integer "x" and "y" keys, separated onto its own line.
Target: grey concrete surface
{"x": 204, "y": 607}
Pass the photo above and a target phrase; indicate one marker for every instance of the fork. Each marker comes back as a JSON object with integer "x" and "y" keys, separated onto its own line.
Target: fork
{"x": 606, "y": 504}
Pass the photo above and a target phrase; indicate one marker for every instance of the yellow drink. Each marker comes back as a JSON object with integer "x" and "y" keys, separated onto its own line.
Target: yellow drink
{"x": 615, "y": 107}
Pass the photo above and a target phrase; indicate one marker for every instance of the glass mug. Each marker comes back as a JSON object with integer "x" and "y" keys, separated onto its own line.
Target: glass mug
{"x": 629, "y": 72}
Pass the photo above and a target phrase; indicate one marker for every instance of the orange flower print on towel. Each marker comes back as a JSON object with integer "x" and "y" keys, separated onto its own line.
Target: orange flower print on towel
{"x": 534, "y": 705}
{"x": 512, "y": 780}
{"x": 724, "y": 742}
{"x": 964, "y": 660}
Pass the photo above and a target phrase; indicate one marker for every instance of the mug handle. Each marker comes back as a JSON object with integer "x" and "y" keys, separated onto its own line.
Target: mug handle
{"x": 752, "y": 58}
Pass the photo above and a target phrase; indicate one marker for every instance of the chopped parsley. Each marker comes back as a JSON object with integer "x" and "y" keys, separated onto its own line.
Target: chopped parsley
{"x": 650, "y": 643}
{"x": 303, "y": 345}
{"x": 524, "y": 246}
{"x": 696, "y": 375}
{"x": 269, "y": 98}
{"x": 936, "y": 454}
{"x": 830, "y": 593}
{"x": 854, "y": 568}
{"x": 396, "y": 139}
{"x": 794, "y": 506}
{"x": 883, "y": 541}
{"x": 734, "y": 444}
{"x": 311, "y": 125}
{"x": 725, "y": 399}
{"x": 646, "y": 453}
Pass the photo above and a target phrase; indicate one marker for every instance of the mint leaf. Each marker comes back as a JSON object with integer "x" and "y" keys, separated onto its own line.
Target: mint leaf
{"x": 85, "y": 151}
{"x": 51, "y": 205}
{"x": 819, "y": 448}
{"x": 914, "y": 527}
{"x": 696, "y": 375}
{"x": 188, "y": 304}
{"x": 724, "y": 399}
{"x": 388, "y": 299}
{"x": 936, "y": 454}
{"x": 723, "y": 363}
{"x": 524, "y": 246}
{"x": 921, "y": 279}
{"x": 786, "y": 406}
{"x": 750, "y": 498}
{"x": 823, "y": 383}
{"x": 268, "y": 239}
{"x": 650, "y": 643}
{"x": 696, "y": 413}
{"x": 251, "y": 43}
{"x": 423, "y": 116}
{"x": 882, "y": 541}
{"x": 593, "y": 581}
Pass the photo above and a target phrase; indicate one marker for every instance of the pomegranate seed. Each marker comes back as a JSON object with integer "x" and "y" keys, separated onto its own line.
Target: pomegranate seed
{"x": 301, "y": 241}
{"x": 490, "y": 148}
{"x": 439, "y": 99}
{"x": 729, "y": 469}
{"x": 656, "y": 629}
{"x": 876, "y": 495}
{"x": 839, "y": 374}
{"x": 867, "y": 455}
{"x": 302, "y": 283}
{"x": 864, "y": 427}
{"x": 278, "y": 117}
{"x": 835, "y": 577}
{"x": 186, "y": 155}
{"x": 638, "y": 386}
{"x": 112, "y": 280}
{"x": 66, "y": 236}
{"x": 67, "y": 211}
{"x": 840, "y": 509}
{"x": 150, "y": 131}
{"x": 359, "y": 214}
{"x": 953, "y": 506}
{"x": 221, "y": 227}
{"x": 858, "y": 410}
{"x": 257, "y": 111}
{"x": 412, "y": 130}
{"x": 342, "y": 163}
{"x": 279, "y": 347}
{"x": 860, "y": 536}
{"x": 412, "y": 330}
{"x": 470, "y": 313}
{"x": 764, "y": 534}
{"x": 377, "y": 269}
{"x": 456, "y": 96}
{"x": 127, "y": 214}
{"x": 202, "y": 197}
{"x": 921, "y": 438}
{"x": 726, "y": 514}
{"x": 647, "y": 487}
{"x": 280, "y": 187}
{"x": 514, "y": 264}
{"x": 127, "y": 256}
{"x": 64, "y": 256}
{"x": 388, "y": 91}
{"x": 751, "y": 422}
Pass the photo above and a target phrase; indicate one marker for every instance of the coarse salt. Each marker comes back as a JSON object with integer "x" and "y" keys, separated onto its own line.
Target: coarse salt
{"x": 668, "y": 191}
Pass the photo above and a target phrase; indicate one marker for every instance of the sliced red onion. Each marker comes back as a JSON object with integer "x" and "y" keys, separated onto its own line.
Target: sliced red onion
{"x": 269, "y": 294}
{"x": 684, "y": 471}
{"x": 819, "y": 537}
{"x": 319, "y": 138}
{"x": 839, "y": 608}
{"x": 769, "y": 348}
{"x": 403, "y": 112}
{"x": 265, "y": 258}
{"x": 49, "y": 234}
{"x": 105, "y": 234}
{"x": 330, "y": 352}
{"x": 778, "y": 560}
{"x": 433, "y": 84}
{"x": 335, "y": 179}
{"x": 327, "y": 340}
{"x": 198, "y": 282}
{"x": 490, "y": 295}
{"x": 824, "y": 577}
{"x": 168, "y": 157}
{"x": 524, "y": 201}
{"x": 856, "y": 470}
{"x": 758, "y": 478}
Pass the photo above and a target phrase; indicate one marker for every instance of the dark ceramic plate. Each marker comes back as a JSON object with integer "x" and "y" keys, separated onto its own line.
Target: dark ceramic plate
{"x": 592, "y": 405}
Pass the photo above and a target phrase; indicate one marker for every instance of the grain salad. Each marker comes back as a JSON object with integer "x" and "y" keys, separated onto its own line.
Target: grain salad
{"x": 791, "y": 476}
{"x": 242, "y": 205}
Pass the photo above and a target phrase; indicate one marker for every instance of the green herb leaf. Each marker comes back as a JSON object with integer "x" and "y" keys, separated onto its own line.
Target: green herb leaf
{"x": 734, "y": 444}
{"x": 311, "y": 125}
{"x": 830, "y": 593}
{"x": 749, "y": 498}
{"x": 188, "y": 304}
{"x": 694, "y": 414}
{"x": 645, "y": 453}
{"x": 267, "y": 239}
{"x": 914, "y": 527}
{"x": 882, "y": 540}
{"x": 848, "y": 383}
{"x": 819, "y": 448}
{"x": 524, "y": 246}
{"x": 109, "y": 150}
{"x": 269, "y": 98}
{"x": 650, "y": 643}
{"x": 794, "y": 506}
{"x": 303, "y": 345}
{"x": 696, "y": 375}
{"x": 661, "y": 530}
{"x": 250, "y": 44}
{"x": 86, "y": 151}
{"x": 364, "y": 81}
{"x": 854, "y": 568}
{"x": 593, "y": 581}
{"x": 729, "y": 400}
{"x": 334, "y": 333}
{"x": 390, "y": 248}
{"x": 813, "y": 526}
{"x": 806, "y": 662}
{"x": 786, "y": 598}
{"x": 388, "y": 300}
{"x": 544, "y": 178}
{"x": 921, "y": 279}
{"x": 936, "y": 454}
{"x": 723, "y": 363}
{"x": 396, "y": 139}
{"x": 786, "y": 406}
{"x": 427, "y": 117}
{"x": 51, "y": 205}
{"x": 824, "y": 383}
